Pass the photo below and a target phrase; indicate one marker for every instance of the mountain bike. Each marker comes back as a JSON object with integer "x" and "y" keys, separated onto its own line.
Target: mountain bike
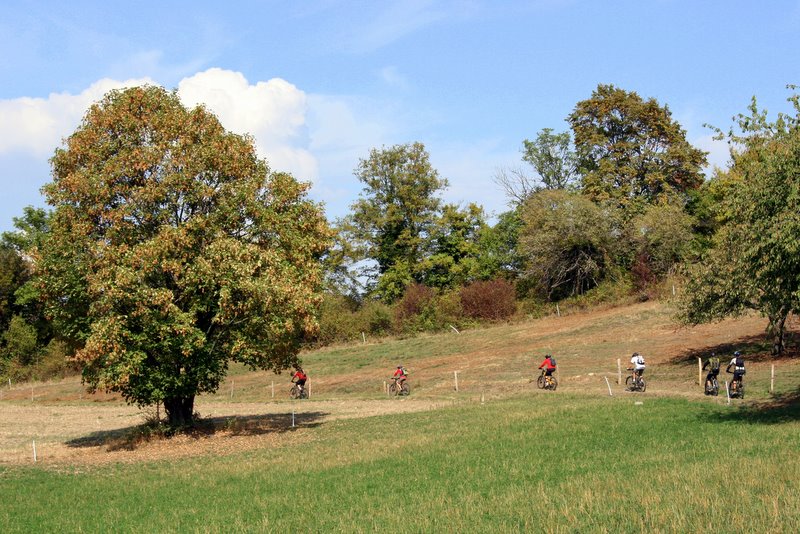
{"x": 399, "y": 389}
{"x": 298, "y": 392}
{"x": 546, "y": 382}
{"x": 712, "y": 386}
{"x": 635, "y": 382}
{"x": 736, "y": 389}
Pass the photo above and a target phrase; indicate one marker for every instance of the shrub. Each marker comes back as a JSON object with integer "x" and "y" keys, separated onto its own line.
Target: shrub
{"x": 414, "y": 301}
{"x": 493, "y": 300}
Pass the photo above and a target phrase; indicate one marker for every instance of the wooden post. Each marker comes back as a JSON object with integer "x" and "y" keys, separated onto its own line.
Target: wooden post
{"x": 772, "y": 380}
{"x": 455, "y": 329}
{"x": 34, "y": 451}
{"x": 232, "y": 383}
{"x": 308, "y": 390}
{"x": 558, "y": 310}
{"x": 609, "y": 387}
{"x": 619, "y": 371}
{"x": 673, "y": 290}
{"x": 455, "y": 375}
{"x": 31, "y": 392}
{"x": 727, "y": 392}
{"x": 699, "y": 371}
{"x": 363, "y": 338}
{"x": 273, "y": 389}
{"x": 482, "y": 397}
{"x": 292, "y": 416}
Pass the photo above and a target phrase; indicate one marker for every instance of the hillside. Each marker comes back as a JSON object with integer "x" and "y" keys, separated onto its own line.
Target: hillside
{"x": 495, "y": 362}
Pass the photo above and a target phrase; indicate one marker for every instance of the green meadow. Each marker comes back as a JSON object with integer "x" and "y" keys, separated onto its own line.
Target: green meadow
{"x": 523, "y": 460}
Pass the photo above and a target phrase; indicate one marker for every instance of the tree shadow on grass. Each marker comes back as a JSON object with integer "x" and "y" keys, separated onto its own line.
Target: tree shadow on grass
{"x": 129, "y": 438}
{"x": 783, "y": 408}
{"x": 754, "y": 349}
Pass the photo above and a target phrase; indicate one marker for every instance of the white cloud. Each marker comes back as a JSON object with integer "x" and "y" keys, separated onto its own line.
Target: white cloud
{"x": 37, "y": 125}
{"x": 273, "y": 112}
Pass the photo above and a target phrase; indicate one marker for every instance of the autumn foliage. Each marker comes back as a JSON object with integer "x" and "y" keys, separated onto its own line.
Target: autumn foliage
{"x": 175, "y": 250}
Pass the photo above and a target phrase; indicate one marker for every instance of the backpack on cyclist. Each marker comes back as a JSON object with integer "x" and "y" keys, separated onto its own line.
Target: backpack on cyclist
{"x": 713, "y": 363}
{"x": 640, "y": 360}
{"x": 739, "y": 366}
{"x": 552, "y": 361}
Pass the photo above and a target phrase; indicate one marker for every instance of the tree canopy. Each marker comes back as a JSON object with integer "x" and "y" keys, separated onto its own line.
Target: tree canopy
{"x": 755, "y": 261}
{"x": 566, "y": 242}
{"x": 630, "y": 151}
{"x": 174, "y": 250}
{"x": 392, "y": 220}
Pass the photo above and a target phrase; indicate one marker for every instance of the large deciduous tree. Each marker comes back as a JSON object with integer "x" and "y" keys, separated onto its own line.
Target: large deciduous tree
{"x": 391, "y": 221}
{"x": 755, "y": 261}
{"x": 174, "y": 250}
{"x": 631, "y": 152}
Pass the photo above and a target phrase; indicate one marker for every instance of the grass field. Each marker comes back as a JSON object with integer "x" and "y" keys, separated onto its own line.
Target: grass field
{"x": 576, "y": 460}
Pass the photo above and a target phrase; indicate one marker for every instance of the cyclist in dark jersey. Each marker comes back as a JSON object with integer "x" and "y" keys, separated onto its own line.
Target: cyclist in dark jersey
{"x": 713, "y": 367}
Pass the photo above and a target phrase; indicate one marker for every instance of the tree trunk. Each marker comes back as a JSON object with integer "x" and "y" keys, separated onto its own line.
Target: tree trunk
{"x": 180, "y": 411}
{"x": 776, "y": 330}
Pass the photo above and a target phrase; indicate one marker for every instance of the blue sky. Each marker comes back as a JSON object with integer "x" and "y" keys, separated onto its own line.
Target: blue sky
{"x": 319, "y": 83}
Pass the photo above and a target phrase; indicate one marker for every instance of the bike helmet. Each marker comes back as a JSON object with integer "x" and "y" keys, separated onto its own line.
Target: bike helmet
{"x": 737, "y": 353}
{"x": 399, "y": 366}
{"x": 635, "y": 354}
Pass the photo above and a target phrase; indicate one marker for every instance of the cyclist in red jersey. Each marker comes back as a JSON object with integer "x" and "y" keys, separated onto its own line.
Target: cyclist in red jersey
{"x": 549, "y": 365}
{"x": 400, "y": 375}
{"x": 299, "y": 377}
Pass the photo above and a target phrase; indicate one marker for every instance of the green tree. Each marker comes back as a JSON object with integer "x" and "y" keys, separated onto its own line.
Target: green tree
{"x": 13, "y": 274}
{"x": 391, "y": 221}
{"x": 630, "y": 151}
{"x": 755, "y": 261}
{"x": 663, "y": 237}
{"x": 554, "y": 165}
{"x": 20, "y": 342}
{"x": 566, "y": 242}
{"x": 498, "y": 245}
{"x": 181, "y": 248}
{"x": 454, "y": 253}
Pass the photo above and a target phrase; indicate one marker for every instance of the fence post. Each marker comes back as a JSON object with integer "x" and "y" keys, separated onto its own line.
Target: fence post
{"x": 772, "y": 380}
{"x": 699, "y": 370}
{"x": 363, "y": 338}
{"x": 558, "y": 310}
{"x": 609, "y": 387}
{"x": 727, "y": 392}
{"x": 455, "y": 375}
{"x": 273, "y": 389}
{"x": 619, "y": 372}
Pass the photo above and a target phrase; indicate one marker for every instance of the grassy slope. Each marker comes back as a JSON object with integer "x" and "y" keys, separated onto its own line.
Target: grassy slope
{"x": 574, "y": 460}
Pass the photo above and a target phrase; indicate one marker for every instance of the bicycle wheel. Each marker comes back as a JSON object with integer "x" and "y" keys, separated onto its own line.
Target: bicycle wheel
{"x": 553, "y": 383}
{"x": 405, "y": 389}
{"x": 741, "y": 391}
{"x": 628, "y": 384}
{"x": 392, "y": 389}
{"x": 642, "y": 385}
{"x": 540, "y": 382}
{"x": 714, "y": 388}
{"x": 293, "y": 392}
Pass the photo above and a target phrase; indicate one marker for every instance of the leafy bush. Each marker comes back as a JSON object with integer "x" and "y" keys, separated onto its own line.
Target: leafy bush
{"x": 415, "y": 299}
{"x": 491, "y": 300}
